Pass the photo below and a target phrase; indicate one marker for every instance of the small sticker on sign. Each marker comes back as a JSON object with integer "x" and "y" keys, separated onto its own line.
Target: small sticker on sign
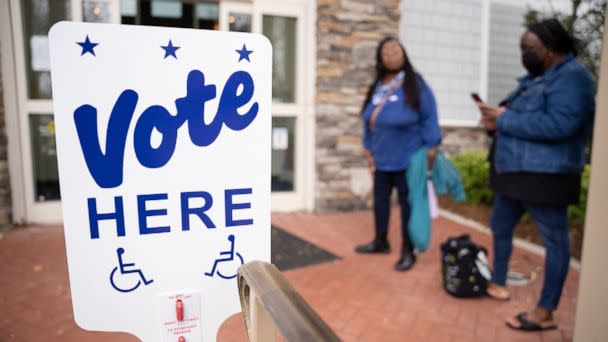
{"x": 280, "y": 138}
{"x": 40, "y": 53}
{"x": 180, "y": 315}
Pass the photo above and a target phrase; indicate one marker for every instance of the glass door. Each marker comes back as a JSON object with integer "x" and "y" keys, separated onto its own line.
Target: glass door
{"x": 32, "y": 20}
{"x": 289, "y": 25}
{"x": 170, "y": 13}
{"x": 284, "y": 24}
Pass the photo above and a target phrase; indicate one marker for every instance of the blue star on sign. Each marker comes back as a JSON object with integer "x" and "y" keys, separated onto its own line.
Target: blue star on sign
{"x": 87, "y": 46}
{"x": 170, "y": 50}
{"x": 244, "y": 53}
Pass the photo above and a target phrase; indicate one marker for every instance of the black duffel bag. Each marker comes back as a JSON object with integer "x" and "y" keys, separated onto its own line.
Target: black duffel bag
{"x": 464, "y": 267}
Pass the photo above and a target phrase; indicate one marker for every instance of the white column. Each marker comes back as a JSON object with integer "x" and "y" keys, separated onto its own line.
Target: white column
{"x": 592, "y": 308}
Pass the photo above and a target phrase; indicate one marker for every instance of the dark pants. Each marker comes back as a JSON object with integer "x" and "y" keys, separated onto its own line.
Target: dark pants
{"x": 552, "y": 224}
{"x": 384, "y": 182}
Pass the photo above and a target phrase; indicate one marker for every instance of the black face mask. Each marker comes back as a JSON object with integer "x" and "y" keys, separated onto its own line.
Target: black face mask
{"x": 532, "y": 63}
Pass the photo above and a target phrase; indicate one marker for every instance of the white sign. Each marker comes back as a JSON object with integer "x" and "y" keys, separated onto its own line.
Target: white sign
{"x": 163, "y": 140}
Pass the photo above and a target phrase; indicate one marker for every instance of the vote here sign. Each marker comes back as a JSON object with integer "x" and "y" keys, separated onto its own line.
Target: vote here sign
{"x": 163, "y": 140}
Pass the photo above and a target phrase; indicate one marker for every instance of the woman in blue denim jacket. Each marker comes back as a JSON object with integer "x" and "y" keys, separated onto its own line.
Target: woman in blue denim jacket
{"x": 399, "y": 117}
{"x": 540, "y": 135}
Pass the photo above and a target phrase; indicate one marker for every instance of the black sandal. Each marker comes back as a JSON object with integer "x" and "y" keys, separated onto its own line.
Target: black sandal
{"x": 527, "y": 325}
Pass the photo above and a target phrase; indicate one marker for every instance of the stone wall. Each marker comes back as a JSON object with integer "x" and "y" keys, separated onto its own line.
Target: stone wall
{"x": 348, "y": 32}
{"x": 5, "y": 186}
{"x": 461, "y": 139}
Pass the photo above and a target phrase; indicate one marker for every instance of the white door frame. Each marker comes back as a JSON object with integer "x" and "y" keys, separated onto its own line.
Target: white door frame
{"x": 35, "y": 212}
{"x": 12, "y": 112}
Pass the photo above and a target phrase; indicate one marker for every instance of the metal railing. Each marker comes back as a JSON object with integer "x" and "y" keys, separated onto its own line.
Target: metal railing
{"x": 269, "y": 302}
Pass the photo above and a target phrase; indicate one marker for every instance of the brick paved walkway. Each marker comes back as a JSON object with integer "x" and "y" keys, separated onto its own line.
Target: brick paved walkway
{"x": 361, "y": 297}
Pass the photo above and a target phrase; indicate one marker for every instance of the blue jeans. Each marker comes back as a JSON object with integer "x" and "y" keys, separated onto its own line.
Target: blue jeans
{"x": 384, "y": 182}
{"x": 552, "y": 224}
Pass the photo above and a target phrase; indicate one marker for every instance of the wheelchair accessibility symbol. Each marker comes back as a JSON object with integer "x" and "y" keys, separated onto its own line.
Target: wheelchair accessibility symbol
{"x": 121, "y": 285}
{"x": 224, "y": 258}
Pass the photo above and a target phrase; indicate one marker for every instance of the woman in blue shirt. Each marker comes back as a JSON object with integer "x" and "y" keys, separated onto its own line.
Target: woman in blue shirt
{"x": 399, "y": 117}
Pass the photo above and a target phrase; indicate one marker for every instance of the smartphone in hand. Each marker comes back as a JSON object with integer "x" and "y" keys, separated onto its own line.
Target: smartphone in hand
{"x": 476, "y": 98}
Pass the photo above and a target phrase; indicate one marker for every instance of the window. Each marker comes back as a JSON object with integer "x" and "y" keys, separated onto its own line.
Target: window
{"x": 282, "y": 34}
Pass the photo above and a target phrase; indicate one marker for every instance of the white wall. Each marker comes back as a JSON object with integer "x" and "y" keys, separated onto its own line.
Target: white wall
{"x": 539, "y": 5}
{"x": 443, "y": 41}
{"x": 460, "y": 47}
{"x": 506, "y": 28}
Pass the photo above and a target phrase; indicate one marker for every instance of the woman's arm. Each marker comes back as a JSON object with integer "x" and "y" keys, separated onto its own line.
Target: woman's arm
{"x": 569, "y": 104}
{"x": 367, "y": 144}
{"x": 431, "y": 133}
{"x": 370, "y": 161}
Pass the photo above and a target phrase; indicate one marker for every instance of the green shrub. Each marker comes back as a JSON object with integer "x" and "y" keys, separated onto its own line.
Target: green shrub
{"x": 475, "y": 174}
{"x": 577, "y": 212}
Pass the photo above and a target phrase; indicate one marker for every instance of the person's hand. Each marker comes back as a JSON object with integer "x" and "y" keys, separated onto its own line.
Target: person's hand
{"x": 370, "y": 162}
{"x": 431, "y": 154}
{"x": 488, "y": 124}
{"x": 489, "y": 115}
{"x": 490, "y": 112}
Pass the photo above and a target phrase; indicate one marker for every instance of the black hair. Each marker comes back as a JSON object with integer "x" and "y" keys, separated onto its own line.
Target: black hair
{"x": 409, "y": 82}
{"x": 554, "y": 36}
